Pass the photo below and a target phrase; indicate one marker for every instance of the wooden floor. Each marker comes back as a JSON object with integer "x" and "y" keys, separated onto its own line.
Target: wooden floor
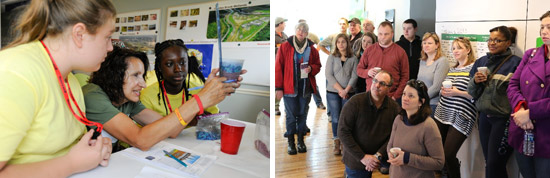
{"x": 319, "y": 160}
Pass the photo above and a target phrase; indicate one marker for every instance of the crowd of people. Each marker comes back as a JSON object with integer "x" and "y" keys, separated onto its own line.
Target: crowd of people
{"x": 405, "y": 105}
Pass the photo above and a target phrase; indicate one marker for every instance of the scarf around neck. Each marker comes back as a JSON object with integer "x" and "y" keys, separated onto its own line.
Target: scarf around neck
{"x": 300, "y": 46}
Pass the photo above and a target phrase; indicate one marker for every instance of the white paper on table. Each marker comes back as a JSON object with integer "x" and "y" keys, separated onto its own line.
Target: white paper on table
{"x": 148, "y": 172}
{"x": 196, "y": 162}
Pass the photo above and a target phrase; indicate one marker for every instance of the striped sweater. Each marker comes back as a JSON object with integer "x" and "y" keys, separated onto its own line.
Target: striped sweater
{"x": 457, "y": 111}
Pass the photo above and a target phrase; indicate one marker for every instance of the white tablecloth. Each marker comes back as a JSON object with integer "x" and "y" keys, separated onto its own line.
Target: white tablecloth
{"x": 247, "y": 163}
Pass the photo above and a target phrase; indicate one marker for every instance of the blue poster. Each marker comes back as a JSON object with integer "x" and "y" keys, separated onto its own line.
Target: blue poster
{"x": 203, "y": 52}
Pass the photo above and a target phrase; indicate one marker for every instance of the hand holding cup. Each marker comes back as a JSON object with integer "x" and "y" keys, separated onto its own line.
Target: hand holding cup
{"x": 395, "y": 151}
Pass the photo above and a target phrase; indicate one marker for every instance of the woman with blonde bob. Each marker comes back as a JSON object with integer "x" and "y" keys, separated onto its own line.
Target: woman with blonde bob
{"x": 42, "y": 120}
{"x": 433, "y": 66}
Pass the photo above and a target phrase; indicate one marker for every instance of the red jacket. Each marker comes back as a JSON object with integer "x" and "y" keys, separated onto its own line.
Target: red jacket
{"x": 284, "y": 67}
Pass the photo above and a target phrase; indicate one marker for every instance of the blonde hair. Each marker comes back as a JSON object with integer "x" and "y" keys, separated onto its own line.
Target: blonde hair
{"x": 345, "y": 20}
{"x": 51, "y": 17}
{"x": 434, "y": 36}
{"x": 467, "y": 45}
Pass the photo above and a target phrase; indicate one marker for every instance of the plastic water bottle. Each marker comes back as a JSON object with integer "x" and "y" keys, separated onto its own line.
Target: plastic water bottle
{"x": 529, "y": 143}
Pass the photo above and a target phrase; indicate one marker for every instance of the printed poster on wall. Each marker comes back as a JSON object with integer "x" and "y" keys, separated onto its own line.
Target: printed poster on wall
{"x": 479, "y": 44}
{"x": 139, "y": 31}
{"x": 243, "y": 24}
{"x": 245, "y": 29}
{"x": 203, "y": 53}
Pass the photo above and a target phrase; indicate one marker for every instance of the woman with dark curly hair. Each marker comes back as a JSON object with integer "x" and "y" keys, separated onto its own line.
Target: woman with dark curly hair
{"x": 112, "y": 98}
{"x": 415, "y": 148}
{"x": 176, "y": 74}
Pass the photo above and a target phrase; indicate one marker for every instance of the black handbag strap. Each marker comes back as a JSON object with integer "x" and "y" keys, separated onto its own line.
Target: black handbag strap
{"x": 498, "y": 67}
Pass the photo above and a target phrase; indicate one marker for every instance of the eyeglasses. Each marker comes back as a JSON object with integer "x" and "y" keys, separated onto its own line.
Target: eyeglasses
{"x": 382, "y": 83}
{"x": 495, "y": 41}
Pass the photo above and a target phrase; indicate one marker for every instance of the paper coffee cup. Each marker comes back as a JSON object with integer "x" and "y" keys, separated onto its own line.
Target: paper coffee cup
{"x": 378, "y": 69}
{"x": 394, "y": 151}
{"x": 447, "y": 84}
{"x": 483, "y": 70}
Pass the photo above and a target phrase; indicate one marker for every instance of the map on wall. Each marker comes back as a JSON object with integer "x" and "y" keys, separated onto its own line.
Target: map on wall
{"x": 240, "y": 24}
{"x": 246, "y": 34}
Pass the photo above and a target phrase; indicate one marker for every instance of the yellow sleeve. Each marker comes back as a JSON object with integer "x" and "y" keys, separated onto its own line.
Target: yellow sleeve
{"x": 19, "y": 101}
{"x": 149, "y": 98}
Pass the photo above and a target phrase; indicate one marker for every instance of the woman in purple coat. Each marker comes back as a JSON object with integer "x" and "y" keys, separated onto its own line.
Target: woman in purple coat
{"x": 530, "y": 98}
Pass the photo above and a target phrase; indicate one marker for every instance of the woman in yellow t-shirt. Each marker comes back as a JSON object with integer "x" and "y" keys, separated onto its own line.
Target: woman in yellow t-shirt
{"x": 42, "y": 107}
{"x": 177, "y": 89}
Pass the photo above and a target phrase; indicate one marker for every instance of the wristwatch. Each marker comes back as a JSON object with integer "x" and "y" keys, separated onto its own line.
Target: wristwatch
{"x": 378, "y": 156}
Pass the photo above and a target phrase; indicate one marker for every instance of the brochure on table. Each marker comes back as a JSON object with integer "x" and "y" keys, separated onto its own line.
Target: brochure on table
{"x": 196, "y": 163}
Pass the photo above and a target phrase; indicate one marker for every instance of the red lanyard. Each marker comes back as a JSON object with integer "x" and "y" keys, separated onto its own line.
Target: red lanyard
{"x": 82, "y": 118}
{"x": 168, "y": 100}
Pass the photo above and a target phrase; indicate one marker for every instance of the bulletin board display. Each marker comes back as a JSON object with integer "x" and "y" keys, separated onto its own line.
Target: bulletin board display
{"x": 139, "y": 30}
{"x": 478, "y": 34}
{"x": 242, "y": 23}
{"x": 478, "y": 41}
{"x": 478, "y": 17}
{"x": 245, "y": 30}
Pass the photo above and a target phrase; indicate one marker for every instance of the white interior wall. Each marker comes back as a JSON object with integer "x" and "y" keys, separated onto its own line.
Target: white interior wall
{"x": 321, "y": 16}
{"x": 377, "y": 13}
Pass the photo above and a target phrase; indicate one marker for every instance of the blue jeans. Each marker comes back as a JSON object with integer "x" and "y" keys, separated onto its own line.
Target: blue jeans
{"x": 296, "y": 109}
{"x": 357, "y": 173}
{"x": 335, "y": 103}
{"x": 328, "y": 108}
{"x": 532, "y": 167}
{"x": 317, "y": 97}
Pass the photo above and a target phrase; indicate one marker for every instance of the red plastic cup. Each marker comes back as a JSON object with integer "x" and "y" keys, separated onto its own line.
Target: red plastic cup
{"x": 231, "y": 135}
